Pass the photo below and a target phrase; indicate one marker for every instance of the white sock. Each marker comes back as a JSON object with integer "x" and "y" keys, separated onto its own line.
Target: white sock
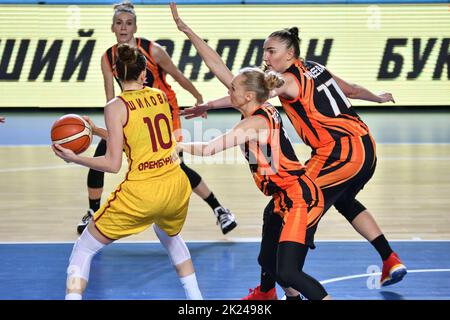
{"x": 73, "y": 296}
{"x": 190, "y": 286}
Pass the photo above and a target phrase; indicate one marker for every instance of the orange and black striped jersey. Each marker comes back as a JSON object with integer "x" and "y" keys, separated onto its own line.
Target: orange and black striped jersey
{"x": 321, "y": 113}
{"x": 273, "y": 163}
{"x": 155, "y": 78}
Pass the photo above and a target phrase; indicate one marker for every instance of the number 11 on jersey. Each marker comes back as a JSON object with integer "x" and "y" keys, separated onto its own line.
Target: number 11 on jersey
{"x": 334, "y": 106}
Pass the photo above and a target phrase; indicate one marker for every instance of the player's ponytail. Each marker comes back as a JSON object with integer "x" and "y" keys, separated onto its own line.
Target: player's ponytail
{"x": 272, "y": 80}
{"x": 127, "y": 54}
{"x": 294, "y": 33}
{"x": 290, "y": 37}
{"x": 261, "y": 83}
{"x": 130, "y": 62}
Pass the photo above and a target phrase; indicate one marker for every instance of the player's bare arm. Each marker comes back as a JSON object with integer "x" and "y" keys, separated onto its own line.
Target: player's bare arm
{"x": 208, "y": 54}
{"x": 115, "y": 118}
{"x": 252, "y": 128}
{"x": 108, "y": 78}
{"x": 354, "y": 91}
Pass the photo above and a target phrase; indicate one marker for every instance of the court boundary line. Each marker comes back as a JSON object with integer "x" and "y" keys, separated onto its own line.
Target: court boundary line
{"x": 332, "y": 280}
{"x": 250, "y": 240}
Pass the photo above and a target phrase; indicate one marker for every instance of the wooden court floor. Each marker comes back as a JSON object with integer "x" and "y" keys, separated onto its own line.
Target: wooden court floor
{"x": 42, "y": 198}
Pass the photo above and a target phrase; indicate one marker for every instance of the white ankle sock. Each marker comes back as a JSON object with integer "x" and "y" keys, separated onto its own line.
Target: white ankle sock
{"x": 190, "y": 286}
{"x": 73, "y": 296}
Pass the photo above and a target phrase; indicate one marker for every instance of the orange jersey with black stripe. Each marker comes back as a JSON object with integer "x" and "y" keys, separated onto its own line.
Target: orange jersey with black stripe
{"x": 321, "y": 113}
{"x": 273, "y": 163}
{"x": 155, "y": 77}
{"x": 148, "y": 134}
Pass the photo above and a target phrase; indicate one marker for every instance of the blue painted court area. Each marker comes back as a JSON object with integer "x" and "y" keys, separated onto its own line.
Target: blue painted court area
{"x": 225, "y": 270}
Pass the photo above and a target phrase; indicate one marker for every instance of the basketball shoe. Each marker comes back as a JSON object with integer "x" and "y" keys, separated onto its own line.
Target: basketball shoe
{"x": 257, "y": 294}
{"x": 225, "y": 219}
{"x": 85, "y": 221}
{"x": 393, "y": 270}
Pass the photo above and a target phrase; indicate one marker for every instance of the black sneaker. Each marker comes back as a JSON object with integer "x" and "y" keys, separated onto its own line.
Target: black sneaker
{"x": 225, "y": 219}
{"x": 85, "y": 221}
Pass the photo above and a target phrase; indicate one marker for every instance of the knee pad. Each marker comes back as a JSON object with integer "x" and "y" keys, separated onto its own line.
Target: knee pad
{"x": 350, "y": 210}
{"x": 194, "y": 177}
{"x": 96, "y": 178}
{"x": 175, "y": 246}
{"x": 290, "y": 260}
{"x": 287, "y": 271}
{"x": 288, "y": 277}
{"x": 83, "y": 251}
{"x": 283, "y": 276}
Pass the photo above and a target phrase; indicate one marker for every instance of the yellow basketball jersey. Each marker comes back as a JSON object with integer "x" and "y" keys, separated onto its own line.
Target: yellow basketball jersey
{"x": 148, "y": 134}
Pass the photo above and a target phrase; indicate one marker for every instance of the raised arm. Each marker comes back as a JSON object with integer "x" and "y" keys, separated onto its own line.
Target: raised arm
{"x": 209, "y": 55}
{"x": 163, "y": 59}
{"x": 252, "y": 128}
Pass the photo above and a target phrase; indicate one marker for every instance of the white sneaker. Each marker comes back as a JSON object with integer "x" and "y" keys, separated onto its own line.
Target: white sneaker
{"x": 225, "y": 219}
{"x": 85, "y": 221}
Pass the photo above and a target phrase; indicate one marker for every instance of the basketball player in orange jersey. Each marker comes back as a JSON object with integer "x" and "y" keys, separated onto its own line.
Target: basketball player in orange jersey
{"x": 272, "y": 160}
{"x": 158, "y": 64}
{"x": 343, "y": 151}
{"x": 155, "y": 190}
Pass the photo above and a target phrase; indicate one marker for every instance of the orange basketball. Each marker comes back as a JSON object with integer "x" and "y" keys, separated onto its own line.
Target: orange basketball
{"x": 72, "y": 132}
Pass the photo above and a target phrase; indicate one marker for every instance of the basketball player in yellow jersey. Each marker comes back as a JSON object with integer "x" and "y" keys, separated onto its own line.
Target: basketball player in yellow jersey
{"x": 155, "y": 189}
{"x": 158, "y": 65}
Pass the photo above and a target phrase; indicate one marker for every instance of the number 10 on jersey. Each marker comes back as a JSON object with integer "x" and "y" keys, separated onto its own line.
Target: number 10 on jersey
{"x": 154, "y": 128}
